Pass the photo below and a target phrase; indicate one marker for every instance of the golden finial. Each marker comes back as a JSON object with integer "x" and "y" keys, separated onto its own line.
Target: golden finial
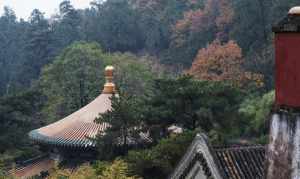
{"x": 109, "y": 86}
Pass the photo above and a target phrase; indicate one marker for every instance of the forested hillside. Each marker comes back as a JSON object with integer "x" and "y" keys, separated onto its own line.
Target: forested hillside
{"x": 50, "y": 67}
{"x": 171, "y": 31}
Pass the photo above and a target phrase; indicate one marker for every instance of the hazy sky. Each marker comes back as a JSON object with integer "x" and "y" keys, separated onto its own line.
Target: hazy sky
{"x": 23, "y": 8}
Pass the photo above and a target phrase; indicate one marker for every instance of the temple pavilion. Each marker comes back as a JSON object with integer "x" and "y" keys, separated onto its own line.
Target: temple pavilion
{"x": 76, "y": 131}
{"x": 71, "y": 138}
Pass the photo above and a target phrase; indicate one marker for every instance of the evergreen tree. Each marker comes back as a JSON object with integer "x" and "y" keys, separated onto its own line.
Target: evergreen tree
{"x": 67, "y": 27}
{"x": 191, "y": 104}
{"x": 37, "y": 50}
{"x": 124, "y": 120}
{"x": 117, "y": 22}
{"x": 18, "y": 115}
{"x": 10, "y": 51}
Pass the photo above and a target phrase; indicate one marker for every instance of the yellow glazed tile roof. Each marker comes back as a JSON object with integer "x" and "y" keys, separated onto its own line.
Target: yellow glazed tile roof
{"x": 76, "y": 129}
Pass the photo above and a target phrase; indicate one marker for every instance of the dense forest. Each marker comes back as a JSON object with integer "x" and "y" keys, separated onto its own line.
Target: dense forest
{"x": 204, "y": 65}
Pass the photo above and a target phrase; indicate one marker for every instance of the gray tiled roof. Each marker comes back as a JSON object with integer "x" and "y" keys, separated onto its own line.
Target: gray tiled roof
{"x": 241, "y": 162}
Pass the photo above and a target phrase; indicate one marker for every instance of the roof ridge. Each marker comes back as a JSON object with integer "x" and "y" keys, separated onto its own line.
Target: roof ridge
{"x": 238, "y": 147}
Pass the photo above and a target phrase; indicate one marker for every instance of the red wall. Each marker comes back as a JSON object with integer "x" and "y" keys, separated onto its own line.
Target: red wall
{"x": 287, "y": 50}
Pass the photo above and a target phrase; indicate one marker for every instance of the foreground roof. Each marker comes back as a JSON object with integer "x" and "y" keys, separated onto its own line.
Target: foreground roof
{"x": 203, "y": 161}
{"x": 241, "y": 162}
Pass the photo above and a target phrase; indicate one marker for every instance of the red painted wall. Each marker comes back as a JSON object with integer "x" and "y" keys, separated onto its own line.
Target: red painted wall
{"x": 287, "y": 51}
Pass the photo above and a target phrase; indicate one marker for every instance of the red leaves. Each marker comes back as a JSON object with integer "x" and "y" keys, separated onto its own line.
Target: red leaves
{"x": 222, "y": 62}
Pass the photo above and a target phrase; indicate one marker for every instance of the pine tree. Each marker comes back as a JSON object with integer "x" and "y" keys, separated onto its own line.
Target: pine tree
{"x": 37, "y": 50}
{"x": 124, "y": 120}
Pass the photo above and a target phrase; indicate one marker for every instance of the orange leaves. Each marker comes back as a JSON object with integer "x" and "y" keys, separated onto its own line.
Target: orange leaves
{"x": 216, "y": 62}
{"x": 194, "y": 21}
{"x": 216, "y": 14}
{"x": 222, "y": 62}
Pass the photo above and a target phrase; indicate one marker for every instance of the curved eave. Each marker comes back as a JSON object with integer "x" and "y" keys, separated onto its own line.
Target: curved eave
{"x": 77, "y": 129}
{"x": 85, "y": 142}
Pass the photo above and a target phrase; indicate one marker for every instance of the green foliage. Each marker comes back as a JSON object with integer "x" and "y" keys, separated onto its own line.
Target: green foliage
{"x": 159, "y": 161}
{"x": 134, "y": 75}
{"x": 192, "y": 104}
{"x": 156, "y": 22}
{"x": 154, "y": 27}
{"x": 256, "y": 111}
{"x": 18, "y": 115}
{"x": 11, "y": 42}
{"x": 73, "y": 79}
{"x": 83, "y": 172}
{"x": 118, "y": 26}
{"x": 77, "y": 76}
{"x": 250, "y": 26}
{"x": 37, "y": 50}
{"x": 173, "y": 31}
{"x": 100, "y": 166}
{"x": 117, "y": 170}
{"x": 124, "y": 120}
{"x": 2, "y": 173}
{"x": 67, "y": 28}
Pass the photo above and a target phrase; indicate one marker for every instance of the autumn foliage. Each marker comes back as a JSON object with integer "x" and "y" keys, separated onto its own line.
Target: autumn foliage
{"x": 216, "y": 15}
{"x": 222, "y": 62}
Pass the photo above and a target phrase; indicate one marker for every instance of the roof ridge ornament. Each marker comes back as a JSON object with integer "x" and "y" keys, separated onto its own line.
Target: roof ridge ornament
{"x": 290, "y": 23}
{"x": 109, "y": 86}
{"x": 295, "y": 11}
